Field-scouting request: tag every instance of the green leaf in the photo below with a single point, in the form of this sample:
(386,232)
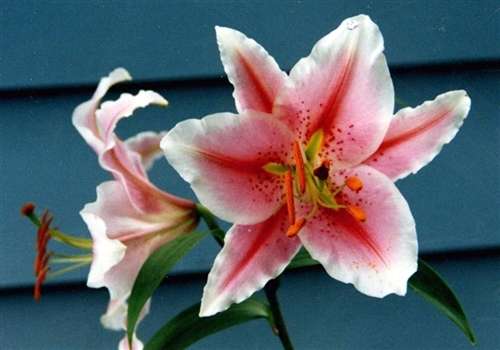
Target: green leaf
(427,283)
(211,222)
(187,327)
(154,271)
(302,259)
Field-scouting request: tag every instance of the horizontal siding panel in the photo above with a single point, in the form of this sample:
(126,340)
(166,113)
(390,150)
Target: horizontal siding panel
(455,200)
(54,43)
(320,313)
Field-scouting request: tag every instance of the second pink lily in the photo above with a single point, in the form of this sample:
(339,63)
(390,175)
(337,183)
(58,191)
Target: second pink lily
(310,160)
(131,217)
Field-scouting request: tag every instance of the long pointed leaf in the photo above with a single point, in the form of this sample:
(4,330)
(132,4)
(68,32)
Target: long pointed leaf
(186,328)
(153,271)
(302,259)
(427,283)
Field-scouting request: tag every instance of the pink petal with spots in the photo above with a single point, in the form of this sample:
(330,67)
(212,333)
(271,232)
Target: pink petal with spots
(222,157)
(255,75)
(377,256)
(416,135)
(252,255)
(344,88)
(147,145)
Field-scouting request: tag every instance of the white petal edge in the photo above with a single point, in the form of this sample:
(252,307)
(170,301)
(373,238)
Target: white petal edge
(106,252)
(228,41)
(461,103)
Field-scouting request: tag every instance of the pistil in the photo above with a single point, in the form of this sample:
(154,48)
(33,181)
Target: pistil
(311,184)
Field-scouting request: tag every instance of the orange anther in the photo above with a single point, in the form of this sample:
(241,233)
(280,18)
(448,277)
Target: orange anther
(37,292)
(289,196)
(299,166)
(354,183)
(356,212)
(294,229)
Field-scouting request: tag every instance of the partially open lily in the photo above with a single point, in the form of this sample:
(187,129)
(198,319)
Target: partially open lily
(310,160)
(131,217)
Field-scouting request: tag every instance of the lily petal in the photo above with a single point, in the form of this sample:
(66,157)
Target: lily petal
(110,112)
(84,115)
(344,88)
(377,255)
(222,157)
(115,317)
(255,75)
(252,255)
(147,145)
(416,135)
(125,164)
(123,238)
(136,344)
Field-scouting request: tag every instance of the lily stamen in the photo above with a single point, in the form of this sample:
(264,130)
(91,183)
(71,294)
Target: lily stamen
(289,196)
(354,183)
(294,229)
(37,291)
(299,167)
(356,212)
(44,258)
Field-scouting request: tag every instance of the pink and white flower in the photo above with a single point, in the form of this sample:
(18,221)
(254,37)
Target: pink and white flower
(131,217)
(310,160)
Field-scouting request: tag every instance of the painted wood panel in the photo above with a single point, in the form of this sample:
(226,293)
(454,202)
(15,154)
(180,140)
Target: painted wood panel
(47,43)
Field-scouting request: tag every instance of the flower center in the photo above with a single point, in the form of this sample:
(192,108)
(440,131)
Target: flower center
(308,180)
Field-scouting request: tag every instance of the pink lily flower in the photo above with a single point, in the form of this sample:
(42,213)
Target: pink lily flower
(131,217)
(310,160)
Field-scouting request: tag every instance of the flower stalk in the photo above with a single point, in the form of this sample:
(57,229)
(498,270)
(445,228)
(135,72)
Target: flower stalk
(280,329)
(271,288)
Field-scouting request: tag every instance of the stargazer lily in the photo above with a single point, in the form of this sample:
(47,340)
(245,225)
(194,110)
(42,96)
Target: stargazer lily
(131,217)
(310,161)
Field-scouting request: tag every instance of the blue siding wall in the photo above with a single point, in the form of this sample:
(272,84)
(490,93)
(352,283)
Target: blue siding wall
(51,56)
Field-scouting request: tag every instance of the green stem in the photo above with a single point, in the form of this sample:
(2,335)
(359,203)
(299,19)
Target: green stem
(279,327)
(281,331)
(212,225)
